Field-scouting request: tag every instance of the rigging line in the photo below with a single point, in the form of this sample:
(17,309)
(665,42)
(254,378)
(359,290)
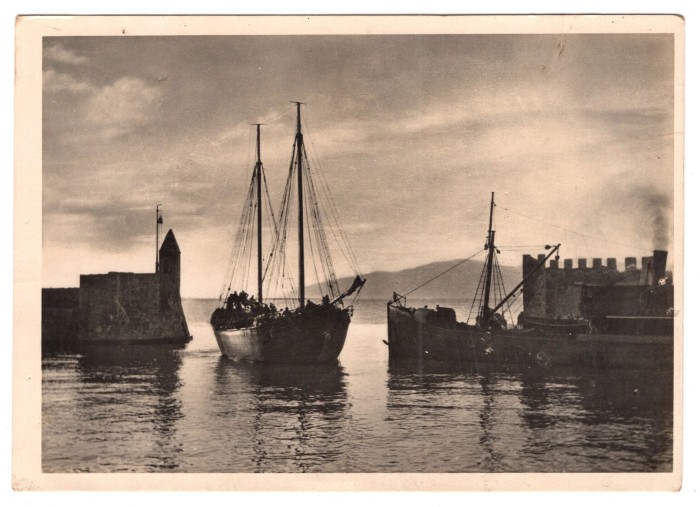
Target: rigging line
(444,272)
(506,307)
(512,300)
(515,298)
(519,246)
(341,242)
(494,280)
(477,301)
(501,284)
(328,203)
(247,234)
(269,202)
(312,226)
(572,231)
(250,151)
(246,252)
(617,227)
(278,266)
(517,310)
(313,253)
(310,231)
(279,114)
(240,234)
(270,251)
(251,241)
(272,224)
(234,247)
(283,278)
(499,279)
(326,257)
(341,237)
(332,205)
(321,238)
(344,241)
(271,270)
(522,250)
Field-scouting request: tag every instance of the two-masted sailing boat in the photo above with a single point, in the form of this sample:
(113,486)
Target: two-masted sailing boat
(309,332)
(419,335)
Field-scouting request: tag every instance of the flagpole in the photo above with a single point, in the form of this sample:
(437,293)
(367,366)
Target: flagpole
(159,221)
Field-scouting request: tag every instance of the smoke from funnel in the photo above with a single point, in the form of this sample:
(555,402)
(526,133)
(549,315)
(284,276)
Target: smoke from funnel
(659,210)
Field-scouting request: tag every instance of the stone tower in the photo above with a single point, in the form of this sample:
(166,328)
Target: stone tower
(136,307)
(172,316)
(170,259)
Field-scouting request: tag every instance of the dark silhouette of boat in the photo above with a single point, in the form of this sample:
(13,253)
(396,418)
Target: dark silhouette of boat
(253,329)
(602,339)
(432,335)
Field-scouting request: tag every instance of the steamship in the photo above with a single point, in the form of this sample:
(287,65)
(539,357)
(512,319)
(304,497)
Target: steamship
(595,316)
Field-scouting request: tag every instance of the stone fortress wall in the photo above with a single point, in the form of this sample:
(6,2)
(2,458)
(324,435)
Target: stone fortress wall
(556,291)
(120,306)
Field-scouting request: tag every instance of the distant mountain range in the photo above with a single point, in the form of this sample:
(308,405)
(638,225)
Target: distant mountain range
(460,282)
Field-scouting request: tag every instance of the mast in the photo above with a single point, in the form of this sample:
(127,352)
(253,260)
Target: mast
(485,312)
(159,221)
(258,177)
(299,141)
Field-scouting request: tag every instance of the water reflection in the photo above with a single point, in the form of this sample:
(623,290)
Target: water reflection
(643,398)
(420,380)
(487,421)
(114,409)
(622,413)
(297,413)
(130,392)
(573,419)
(535,394)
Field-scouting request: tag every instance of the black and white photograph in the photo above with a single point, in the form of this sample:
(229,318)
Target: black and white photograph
(443,246)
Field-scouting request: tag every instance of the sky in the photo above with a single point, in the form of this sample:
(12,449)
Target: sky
(573,133)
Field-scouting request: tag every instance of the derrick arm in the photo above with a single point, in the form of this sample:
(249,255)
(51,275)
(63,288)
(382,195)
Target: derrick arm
(532,271)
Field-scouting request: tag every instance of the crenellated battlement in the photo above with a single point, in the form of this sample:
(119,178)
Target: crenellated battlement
(556,291)
(596,263)
(655,264)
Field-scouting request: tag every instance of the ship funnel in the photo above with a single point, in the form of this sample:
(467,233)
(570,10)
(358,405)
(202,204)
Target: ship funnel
(659,265)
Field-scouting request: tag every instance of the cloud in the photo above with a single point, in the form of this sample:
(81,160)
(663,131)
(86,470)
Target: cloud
(58,53)
(57,82)
(412,134)
(82,115)
(126,104)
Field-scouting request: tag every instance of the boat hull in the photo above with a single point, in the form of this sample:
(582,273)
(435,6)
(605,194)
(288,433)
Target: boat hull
(308,338)
(413,339)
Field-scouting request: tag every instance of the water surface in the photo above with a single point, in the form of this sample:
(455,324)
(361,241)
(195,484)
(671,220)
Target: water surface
(161,408)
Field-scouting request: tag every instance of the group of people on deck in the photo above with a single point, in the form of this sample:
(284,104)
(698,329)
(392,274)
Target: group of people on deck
(236,301)
(242,311)
(250,306)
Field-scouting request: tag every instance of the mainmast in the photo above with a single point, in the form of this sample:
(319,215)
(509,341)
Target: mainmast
(486,312)
(299,141)
(258,177)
